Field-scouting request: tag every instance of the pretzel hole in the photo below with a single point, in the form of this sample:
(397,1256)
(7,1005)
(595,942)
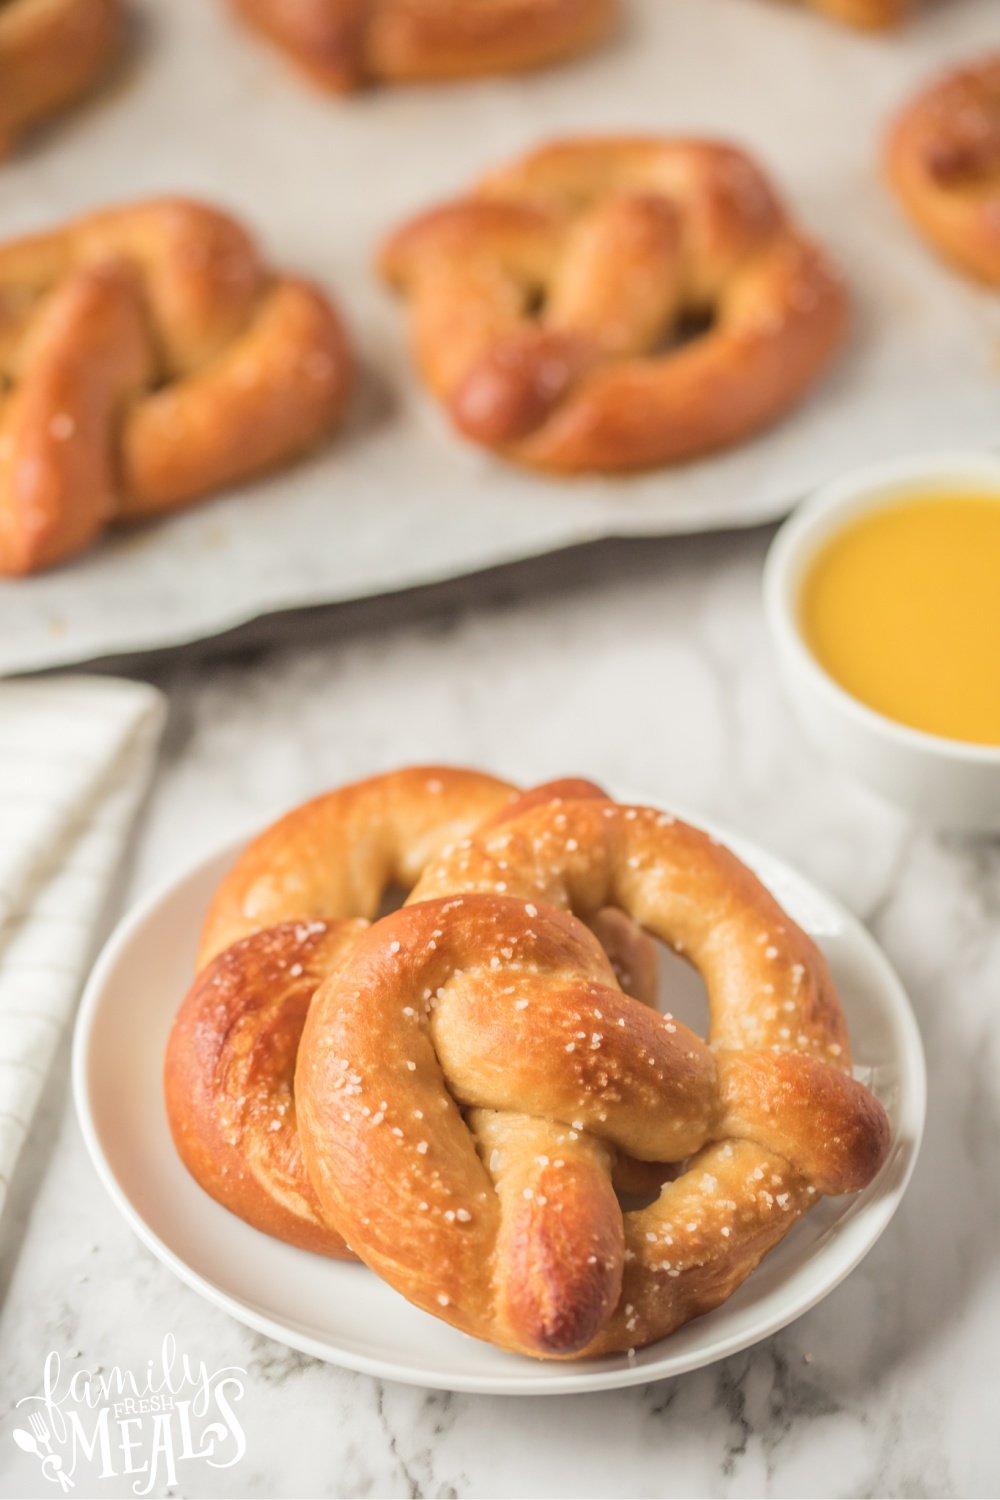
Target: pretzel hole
(680,989)
(393,897)
(691,324)
(535,302)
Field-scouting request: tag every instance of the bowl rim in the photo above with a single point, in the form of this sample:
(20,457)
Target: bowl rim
(858,492)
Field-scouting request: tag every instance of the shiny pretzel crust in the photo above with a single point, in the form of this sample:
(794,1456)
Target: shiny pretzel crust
(229,1071)
(150,358)
(52,53)
(543,306)
(943,163)
(342,45)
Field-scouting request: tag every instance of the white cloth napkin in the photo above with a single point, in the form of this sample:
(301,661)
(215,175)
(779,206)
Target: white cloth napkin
(76,755)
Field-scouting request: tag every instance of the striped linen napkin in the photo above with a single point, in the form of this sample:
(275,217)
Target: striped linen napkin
(76,755)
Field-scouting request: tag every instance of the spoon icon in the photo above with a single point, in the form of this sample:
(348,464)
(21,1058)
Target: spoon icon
(51,1462)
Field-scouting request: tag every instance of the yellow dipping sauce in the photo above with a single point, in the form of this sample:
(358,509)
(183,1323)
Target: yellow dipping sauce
(902,608)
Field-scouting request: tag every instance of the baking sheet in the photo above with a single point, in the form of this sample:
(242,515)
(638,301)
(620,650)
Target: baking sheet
(398,501)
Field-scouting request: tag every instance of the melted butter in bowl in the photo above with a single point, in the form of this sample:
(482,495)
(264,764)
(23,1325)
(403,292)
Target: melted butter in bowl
(901,606)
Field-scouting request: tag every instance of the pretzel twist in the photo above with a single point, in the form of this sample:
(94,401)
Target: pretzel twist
(342,45)
(52,52)
(505,1222)
(148,357)
(281,920)
(544,307)
(943,163)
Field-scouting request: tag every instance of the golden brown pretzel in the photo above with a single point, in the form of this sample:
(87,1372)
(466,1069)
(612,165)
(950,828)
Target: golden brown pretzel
(507,1007)
(943,163)
(147,358)
(231,1054)
(52,52)
(344,44)
(544,305)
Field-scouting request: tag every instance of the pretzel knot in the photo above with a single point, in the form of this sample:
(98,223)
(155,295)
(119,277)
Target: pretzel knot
(148,357)
(547,306)
(342,45)
(52,52)
(943,162)
(470,1071)
(282,918)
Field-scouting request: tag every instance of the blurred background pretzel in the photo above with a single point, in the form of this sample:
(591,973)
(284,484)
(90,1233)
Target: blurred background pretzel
(943,163)
(550,308)
(281,920)
(148,357)
(52,52)
(341,45)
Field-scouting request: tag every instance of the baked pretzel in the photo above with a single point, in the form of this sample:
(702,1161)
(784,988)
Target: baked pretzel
(231,1055)
(943,163)
(544,306)
(513,1070)
(52,52)
(147,358)
(342,45)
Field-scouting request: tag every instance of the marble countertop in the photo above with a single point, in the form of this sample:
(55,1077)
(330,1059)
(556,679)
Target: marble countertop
(646,665)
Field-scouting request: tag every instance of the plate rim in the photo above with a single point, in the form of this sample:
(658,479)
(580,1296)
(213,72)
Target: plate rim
(878,1214)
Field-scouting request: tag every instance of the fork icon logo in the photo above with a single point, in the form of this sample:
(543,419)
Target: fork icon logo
(39,1442)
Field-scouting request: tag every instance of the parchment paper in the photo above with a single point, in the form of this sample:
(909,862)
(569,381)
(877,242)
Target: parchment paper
(399,501)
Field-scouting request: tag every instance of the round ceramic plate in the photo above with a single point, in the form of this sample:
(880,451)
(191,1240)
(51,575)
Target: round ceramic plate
(341,1312)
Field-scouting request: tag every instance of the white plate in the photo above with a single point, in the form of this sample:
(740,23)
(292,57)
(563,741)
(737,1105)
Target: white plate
(399,502)
(344,1314)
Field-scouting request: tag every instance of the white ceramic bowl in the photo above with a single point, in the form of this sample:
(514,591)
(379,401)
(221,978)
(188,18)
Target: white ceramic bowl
(944,782)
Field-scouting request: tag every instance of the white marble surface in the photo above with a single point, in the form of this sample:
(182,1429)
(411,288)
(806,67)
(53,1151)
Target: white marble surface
(646,665)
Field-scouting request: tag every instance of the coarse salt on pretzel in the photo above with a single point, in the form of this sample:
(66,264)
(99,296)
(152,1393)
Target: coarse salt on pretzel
(147,358)
(342,45)
(943,163)
(280,921)
(545,305)
(505,1222)
(52,53)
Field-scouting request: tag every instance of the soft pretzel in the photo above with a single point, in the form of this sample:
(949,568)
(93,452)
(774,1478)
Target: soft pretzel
(147,358)
(281,919)
(342,45)
(503,1006)
(545,305)
(943,163)
(52,52)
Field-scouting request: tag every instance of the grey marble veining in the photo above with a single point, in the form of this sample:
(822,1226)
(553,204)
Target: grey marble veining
(649,668)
